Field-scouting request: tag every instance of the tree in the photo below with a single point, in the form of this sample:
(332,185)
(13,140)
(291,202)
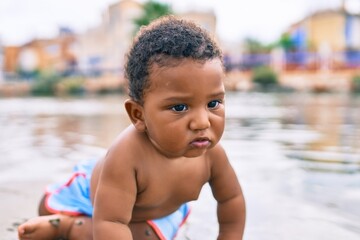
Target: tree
(254,46)
(286,42)
(151,11)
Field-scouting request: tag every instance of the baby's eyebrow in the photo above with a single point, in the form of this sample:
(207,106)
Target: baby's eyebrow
(176,98)
(217,95)
(185,98)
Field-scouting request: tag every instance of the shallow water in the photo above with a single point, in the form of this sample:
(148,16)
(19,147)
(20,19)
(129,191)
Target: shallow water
(297,156)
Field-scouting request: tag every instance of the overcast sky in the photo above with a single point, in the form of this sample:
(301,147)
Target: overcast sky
(22,20)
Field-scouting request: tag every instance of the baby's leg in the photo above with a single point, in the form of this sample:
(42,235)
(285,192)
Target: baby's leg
(73,228)
(42,210)
(50,226)
(56,226)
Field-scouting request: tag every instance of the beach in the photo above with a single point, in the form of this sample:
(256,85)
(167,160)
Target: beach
(41,139)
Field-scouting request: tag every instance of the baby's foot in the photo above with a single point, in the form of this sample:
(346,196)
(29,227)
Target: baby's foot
(46,227)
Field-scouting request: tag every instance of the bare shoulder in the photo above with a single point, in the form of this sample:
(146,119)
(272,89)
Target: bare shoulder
(223,180)
(217,155)
(219,164)
(127,148)
(114,180)
(120,159)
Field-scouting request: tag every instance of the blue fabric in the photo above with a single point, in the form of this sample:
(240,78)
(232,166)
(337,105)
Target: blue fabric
(73,198)
(170,224)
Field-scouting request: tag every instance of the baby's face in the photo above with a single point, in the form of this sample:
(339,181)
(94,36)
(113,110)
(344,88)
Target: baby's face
(184,109)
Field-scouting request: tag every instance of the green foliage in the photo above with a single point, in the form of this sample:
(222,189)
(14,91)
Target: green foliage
(286,42)
(71,85)
(254,46)
(45,83)
(151,11)
(355,83)
(264,77)
(28,74)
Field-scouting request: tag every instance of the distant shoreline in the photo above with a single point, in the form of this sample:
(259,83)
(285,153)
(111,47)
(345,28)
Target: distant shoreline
(317,81)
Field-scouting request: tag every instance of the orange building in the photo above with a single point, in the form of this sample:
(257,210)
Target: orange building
(11,54)
(42,54)
(99,49)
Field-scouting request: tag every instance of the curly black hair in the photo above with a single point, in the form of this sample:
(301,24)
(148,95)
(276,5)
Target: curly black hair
(166,41)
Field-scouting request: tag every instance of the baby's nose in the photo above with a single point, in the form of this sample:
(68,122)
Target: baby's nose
(200,120)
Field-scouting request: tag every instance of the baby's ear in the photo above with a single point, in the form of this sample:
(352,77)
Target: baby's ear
(135,112)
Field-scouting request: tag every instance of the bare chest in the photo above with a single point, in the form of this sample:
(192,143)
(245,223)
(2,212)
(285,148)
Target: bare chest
(171,184)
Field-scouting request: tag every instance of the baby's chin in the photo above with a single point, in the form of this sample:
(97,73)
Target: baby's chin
(197,152)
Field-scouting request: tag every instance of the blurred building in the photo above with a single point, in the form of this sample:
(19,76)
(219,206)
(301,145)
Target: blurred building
(327,39)
(98,51)
(1,61)
(56,54)
(10,54)
(206,19)
(337,29)
(102,49)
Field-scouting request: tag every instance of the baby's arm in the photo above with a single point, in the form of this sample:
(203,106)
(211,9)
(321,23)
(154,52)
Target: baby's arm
(227,191)
(114,199)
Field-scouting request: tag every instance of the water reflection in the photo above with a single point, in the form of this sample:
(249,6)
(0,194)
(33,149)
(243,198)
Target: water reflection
(322,130)
(301,158)
(296,154)
(336,118)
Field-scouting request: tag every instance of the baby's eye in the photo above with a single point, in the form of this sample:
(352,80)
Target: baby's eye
(213,104)
(179,108)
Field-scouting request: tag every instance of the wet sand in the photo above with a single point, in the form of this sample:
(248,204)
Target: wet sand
(21,187)
(272,214)
(42,139)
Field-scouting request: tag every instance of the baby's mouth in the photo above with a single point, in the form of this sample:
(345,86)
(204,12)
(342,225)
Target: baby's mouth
(200,143)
